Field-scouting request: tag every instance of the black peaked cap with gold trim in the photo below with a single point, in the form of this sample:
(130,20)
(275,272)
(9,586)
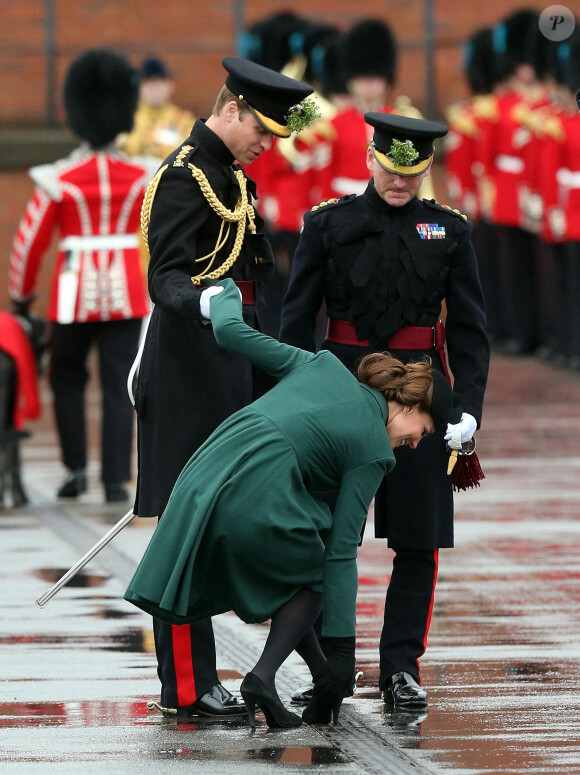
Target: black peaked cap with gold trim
(268,95)
(417,133)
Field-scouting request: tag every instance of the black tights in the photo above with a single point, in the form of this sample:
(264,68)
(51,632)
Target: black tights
(291,629)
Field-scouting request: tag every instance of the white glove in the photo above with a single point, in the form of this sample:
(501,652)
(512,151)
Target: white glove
(461,432)
(204,306)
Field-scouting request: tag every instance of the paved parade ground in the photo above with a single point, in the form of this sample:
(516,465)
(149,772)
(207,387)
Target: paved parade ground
(503,662)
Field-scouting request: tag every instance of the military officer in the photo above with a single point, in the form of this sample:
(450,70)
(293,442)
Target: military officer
(383,262)
(200,226)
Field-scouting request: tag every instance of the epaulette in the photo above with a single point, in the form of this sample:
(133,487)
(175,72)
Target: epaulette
(446,208)
(485,106)
(333,201)
(323,129)
(463,121)
(182,154)
(404,107)
(553,127)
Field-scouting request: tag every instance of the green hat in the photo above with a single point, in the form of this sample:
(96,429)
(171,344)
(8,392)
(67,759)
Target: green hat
(402,145)
(270,96)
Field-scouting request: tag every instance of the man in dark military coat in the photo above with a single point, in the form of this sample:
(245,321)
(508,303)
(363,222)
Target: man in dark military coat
(201,226)
(383,263)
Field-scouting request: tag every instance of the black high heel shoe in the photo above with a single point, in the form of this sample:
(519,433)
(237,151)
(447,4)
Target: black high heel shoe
(256,693)
(321,711)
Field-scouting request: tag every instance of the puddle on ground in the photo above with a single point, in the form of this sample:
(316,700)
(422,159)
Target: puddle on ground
(292,755)
(131,641)
(52,575)
(100,713)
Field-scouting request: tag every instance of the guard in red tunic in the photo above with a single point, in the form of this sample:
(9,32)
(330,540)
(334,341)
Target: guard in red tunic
(467,120)
(92,199)
(503,153)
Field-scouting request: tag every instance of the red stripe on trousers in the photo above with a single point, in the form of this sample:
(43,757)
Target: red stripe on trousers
(183,661)
(430,614)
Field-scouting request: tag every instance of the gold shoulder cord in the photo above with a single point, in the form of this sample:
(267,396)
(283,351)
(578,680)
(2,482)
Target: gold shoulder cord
(243,211)
(148,203)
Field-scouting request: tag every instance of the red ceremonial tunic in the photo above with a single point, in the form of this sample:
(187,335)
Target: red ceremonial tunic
(503,150)
(93,199)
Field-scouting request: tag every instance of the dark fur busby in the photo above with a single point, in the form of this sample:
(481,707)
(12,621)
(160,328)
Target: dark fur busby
(571,61)
(479,61)
(563,60)
(517,40)
(268,42)
(100,96)
(370,49)
(333,78)
(316,38)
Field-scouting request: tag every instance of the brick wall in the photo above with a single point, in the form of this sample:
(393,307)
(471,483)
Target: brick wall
(193,36)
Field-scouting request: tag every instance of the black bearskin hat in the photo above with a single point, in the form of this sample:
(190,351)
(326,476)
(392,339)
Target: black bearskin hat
(517,40)
(268,42)
(370,49)
(101,91)
(571,61)
(479,62)
(333,77)
(316,38)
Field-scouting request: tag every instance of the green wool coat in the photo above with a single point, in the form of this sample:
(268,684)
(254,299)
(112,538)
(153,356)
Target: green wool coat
(243,529)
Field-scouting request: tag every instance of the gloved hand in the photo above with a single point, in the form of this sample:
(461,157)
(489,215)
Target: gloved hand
(332,682)
(461,432)
(204,304)
(204,299)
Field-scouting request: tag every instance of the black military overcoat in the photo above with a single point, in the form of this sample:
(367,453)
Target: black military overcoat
(187,385)
(383,268)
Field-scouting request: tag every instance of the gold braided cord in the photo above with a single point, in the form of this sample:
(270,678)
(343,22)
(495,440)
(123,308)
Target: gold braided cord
(148,203)
(219,245)
(243,211)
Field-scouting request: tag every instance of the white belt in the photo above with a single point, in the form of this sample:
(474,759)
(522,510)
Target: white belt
(99,242)
(567,178)
(509,163)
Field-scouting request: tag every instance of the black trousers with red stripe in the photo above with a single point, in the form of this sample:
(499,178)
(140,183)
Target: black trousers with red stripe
(408,609)
(186,661)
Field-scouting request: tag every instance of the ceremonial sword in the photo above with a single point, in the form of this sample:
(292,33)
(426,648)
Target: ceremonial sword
(50,593)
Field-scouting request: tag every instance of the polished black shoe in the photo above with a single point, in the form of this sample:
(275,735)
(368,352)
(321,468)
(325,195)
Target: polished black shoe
(218,702)
(257,694)
(74,484)
(403,691)
(115,492)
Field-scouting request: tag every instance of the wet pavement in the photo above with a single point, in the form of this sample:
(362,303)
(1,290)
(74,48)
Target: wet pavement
(501,668)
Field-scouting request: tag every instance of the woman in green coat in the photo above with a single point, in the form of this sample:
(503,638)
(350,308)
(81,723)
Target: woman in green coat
(246,503)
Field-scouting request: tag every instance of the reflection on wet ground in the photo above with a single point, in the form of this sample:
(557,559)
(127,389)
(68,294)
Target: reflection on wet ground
(502,667)
(82,579)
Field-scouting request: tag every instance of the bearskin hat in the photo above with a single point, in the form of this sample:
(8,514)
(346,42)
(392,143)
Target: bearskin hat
(101,91)
(268,42)
(571,61)
(316,38)
(517,40)
(370,49)
(479,62)
(333,77)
